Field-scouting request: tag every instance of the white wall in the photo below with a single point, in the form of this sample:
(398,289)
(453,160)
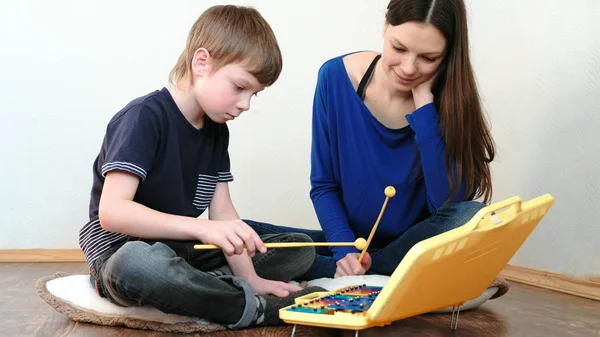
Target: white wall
(538,64)
(67,66)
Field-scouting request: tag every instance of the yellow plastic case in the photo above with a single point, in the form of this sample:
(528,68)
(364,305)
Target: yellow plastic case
(446,270)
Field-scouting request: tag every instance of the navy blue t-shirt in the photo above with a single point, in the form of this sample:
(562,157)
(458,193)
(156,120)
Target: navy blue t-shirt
(178,165)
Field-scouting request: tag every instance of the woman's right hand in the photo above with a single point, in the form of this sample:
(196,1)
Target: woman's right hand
(232,236)
(349,265)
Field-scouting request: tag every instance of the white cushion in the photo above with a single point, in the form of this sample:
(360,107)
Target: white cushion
(77,290)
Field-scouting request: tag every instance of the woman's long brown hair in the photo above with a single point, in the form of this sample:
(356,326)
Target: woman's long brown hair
(469,144)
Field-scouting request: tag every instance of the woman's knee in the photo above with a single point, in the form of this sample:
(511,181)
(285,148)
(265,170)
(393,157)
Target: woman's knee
(470,208)
(474,204)
(463,212)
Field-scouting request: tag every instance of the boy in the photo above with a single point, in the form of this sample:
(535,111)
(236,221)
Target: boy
(163,161)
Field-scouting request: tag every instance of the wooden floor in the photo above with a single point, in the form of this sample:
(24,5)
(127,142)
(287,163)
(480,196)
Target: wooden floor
(523,311)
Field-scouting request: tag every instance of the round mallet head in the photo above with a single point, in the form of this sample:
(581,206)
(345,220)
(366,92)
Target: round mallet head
(360,243)
(390,191)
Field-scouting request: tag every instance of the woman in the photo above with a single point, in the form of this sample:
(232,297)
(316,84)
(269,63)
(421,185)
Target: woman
(410,118)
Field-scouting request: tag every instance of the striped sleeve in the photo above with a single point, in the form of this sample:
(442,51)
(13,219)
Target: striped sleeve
(225,177)
(133,168)
(94,240)
(131,142)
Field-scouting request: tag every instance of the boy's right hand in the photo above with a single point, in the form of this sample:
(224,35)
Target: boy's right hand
(232,236)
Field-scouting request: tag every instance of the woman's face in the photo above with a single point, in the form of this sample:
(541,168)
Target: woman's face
(412,53)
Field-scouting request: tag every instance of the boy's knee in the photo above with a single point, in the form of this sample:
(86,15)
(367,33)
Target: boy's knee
(299,259)
(135,260)
(124,262)
(305,255)
(300,237)
(286,237)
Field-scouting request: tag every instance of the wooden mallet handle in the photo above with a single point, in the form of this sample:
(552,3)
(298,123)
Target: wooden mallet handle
(390,192)
(360,244)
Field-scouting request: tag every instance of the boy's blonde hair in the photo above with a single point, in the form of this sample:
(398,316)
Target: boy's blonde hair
(231,34)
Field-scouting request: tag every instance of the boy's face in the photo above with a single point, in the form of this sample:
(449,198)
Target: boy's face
(224,94)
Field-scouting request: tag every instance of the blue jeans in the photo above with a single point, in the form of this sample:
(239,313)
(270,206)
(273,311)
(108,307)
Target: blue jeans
(386,259)
(175,278)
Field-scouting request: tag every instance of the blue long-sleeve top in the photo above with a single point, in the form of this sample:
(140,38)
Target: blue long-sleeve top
(354,158)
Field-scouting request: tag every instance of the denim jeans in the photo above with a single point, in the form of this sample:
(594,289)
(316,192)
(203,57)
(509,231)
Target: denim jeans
(386,259)
(175,278)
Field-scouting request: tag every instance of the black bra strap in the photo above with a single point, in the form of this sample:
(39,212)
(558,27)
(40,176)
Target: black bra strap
(366,78)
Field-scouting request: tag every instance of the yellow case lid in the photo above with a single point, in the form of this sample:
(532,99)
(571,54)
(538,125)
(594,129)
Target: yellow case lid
(446,270)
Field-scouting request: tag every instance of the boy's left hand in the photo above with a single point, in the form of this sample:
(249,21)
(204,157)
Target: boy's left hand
(263,286)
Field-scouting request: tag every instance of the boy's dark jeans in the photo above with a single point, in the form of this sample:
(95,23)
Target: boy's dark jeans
(173,277)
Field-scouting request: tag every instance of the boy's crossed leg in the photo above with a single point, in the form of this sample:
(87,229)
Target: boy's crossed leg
(159,274)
